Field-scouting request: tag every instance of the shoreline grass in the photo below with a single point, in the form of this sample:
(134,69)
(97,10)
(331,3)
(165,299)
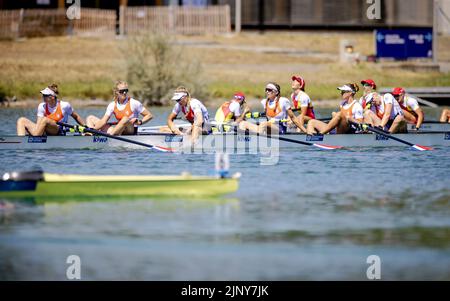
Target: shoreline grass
(86,68)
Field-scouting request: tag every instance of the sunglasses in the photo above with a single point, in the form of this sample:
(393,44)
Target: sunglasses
(269,90)
(367,85)
(123,91)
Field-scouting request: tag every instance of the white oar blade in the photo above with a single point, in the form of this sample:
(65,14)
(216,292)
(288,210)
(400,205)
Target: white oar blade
(421,147)
(163,149)
(324,146)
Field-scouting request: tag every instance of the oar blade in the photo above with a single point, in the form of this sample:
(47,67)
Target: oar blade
(327,147)
(421,147)
(163,149)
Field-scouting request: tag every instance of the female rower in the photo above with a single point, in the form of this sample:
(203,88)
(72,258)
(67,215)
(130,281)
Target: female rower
(301,102)
(126,110)
(385,112)
(351,111)
(445,116)
(50,111)
(277,110)
(233,110)
(369,93)
(412,111)
(194,112)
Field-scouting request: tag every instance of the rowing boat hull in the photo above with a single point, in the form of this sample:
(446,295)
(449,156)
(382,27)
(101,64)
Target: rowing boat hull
(56,185)
(225,142)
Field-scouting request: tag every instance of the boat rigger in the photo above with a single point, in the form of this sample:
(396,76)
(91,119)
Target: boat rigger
(228,142)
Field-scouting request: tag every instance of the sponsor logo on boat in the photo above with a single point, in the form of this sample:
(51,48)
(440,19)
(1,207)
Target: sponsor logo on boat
(242,138)
(173,139)
(447,136)
(32,139)
(314,137)
(99,139)
(381,137)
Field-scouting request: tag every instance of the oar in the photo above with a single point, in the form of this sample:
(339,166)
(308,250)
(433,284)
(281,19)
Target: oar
(381,132)
(83,129)
(321,146)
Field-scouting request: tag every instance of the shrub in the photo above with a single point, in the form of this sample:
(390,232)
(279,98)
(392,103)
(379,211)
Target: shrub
(155,67)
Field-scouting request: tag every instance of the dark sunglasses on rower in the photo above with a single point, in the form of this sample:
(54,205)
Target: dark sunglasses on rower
(269,90)
(123,91)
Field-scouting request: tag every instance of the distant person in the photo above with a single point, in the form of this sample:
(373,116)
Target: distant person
(369,93)
(445,116)
(125,109)
(301,102)
(193,110)
(410,106)
(350,112)
(277,110)
(50,111)
(231,111)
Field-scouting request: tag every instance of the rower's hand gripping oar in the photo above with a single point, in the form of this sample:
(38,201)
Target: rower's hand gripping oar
(256,115)
(381,132)
(82,129)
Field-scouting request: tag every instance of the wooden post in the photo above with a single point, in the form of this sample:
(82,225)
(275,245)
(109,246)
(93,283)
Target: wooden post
(261,15)
(122,21)
(238,14)
(435,30)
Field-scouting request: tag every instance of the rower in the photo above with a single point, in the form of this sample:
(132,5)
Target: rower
(410,106)
(231,111)
(351,111)
(369,93)
(301,102)
(126,110)
(50,111)
(445,116)
(385,112)
(277,110)
(193,110)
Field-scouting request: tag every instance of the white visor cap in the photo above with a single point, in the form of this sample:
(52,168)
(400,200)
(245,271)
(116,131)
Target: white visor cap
(48,91)
(177,96)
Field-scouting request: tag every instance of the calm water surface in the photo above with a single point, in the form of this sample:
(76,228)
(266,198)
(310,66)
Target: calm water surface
(317,215)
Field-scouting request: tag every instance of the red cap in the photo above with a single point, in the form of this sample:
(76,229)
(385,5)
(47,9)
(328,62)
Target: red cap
(370,82)
(398,91)
(300,80)
(239,95)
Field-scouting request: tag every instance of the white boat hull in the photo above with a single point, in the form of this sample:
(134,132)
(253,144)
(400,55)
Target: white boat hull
(233,143)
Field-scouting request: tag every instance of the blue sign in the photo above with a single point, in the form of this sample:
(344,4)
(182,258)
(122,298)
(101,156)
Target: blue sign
(403,44)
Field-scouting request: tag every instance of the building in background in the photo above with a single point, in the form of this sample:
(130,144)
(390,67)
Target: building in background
(283,14)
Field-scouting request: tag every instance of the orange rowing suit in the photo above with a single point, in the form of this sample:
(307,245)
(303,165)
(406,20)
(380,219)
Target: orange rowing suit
(119,114)
(57,115)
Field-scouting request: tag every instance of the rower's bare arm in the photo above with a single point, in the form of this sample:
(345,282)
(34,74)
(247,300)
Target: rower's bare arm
(301,118)
(198,119)
(147,116)
(172,125)
(101,123)
(78,118)
(295,121)
(387,114)
(419,113)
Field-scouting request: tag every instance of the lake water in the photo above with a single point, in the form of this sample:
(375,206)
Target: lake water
(316,215)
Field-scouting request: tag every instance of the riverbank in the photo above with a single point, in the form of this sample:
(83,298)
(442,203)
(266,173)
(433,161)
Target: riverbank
(86,68)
